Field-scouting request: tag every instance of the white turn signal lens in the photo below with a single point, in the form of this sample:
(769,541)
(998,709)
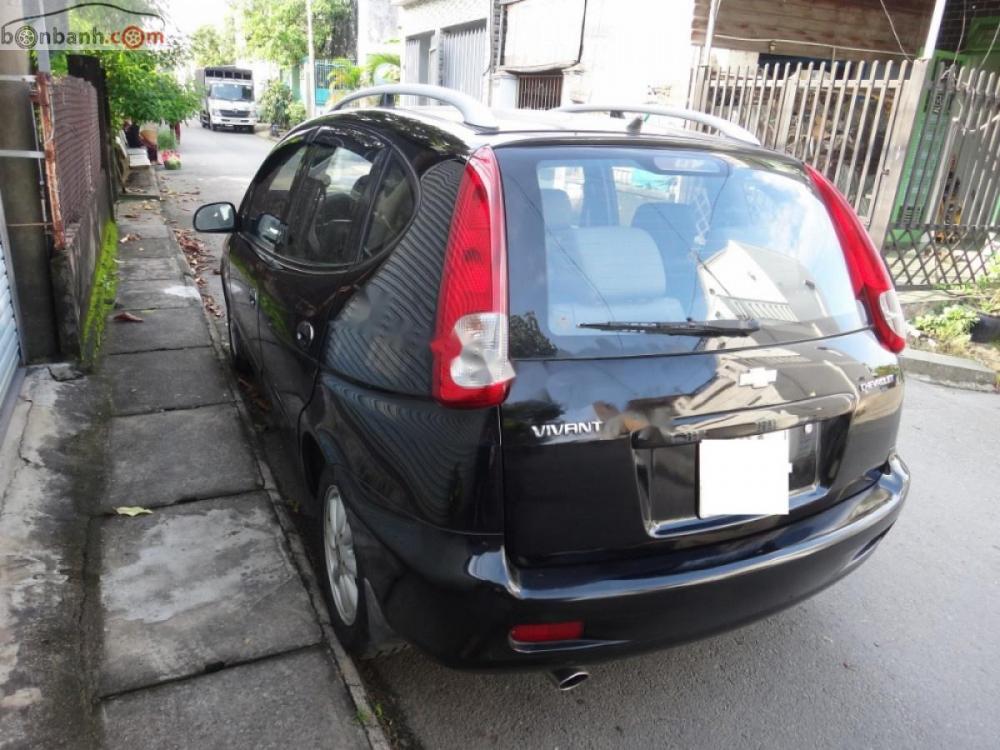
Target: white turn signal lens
(482,359)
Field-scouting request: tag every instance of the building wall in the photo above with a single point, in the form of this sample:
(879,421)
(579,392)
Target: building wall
(633,51)
(430,20)
(29,246)
(421,16)
(378,25)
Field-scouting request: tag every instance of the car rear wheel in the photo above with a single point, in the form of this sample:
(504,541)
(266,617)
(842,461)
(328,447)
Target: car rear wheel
(343,582)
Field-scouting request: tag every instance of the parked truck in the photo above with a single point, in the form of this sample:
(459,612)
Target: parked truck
(227,100)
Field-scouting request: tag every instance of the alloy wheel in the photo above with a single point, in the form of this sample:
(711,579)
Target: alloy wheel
(341,561)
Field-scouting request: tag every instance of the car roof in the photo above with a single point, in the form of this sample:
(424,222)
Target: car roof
(522,126)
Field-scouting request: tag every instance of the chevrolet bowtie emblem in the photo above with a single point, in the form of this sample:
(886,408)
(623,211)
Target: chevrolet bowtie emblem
(758,377)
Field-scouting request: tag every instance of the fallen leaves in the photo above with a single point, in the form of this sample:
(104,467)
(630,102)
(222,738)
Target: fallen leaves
(127,317)
(252,394)
(129,237)
(132,511)
(199,260)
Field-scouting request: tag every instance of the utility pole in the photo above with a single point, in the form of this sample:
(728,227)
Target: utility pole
(311,75)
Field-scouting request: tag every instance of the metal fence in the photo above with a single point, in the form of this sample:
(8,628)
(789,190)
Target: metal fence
(914,148)
(945,228)
(836,116)
(539,90)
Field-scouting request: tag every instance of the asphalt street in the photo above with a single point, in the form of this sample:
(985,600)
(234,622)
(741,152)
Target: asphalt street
(905,652)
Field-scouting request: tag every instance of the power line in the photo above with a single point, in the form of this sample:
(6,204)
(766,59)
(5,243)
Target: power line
(892,27)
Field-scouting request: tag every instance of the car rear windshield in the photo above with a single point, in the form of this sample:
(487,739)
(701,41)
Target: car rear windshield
(612,235)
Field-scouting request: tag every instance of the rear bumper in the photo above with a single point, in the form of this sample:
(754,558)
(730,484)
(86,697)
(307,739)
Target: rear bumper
(457,596)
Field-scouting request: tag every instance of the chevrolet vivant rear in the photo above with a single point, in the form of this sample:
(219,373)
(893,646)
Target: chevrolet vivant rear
(697,388)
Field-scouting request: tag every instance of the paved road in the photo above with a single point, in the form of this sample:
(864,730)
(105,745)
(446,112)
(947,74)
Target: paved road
(903,653)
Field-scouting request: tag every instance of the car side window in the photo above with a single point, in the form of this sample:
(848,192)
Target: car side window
(270,204)
(392,208)
(333,198)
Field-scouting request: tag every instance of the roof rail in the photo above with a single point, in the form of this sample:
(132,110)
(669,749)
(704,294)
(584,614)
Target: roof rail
(725,127)
(474,113)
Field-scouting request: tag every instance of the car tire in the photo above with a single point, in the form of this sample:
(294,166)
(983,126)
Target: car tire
(237,356)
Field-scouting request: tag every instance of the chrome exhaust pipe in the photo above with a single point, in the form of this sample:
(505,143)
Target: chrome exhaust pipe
(567,678)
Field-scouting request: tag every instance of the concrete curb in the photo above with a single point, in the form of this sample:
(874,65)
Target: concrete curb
(343,662)
(945,369)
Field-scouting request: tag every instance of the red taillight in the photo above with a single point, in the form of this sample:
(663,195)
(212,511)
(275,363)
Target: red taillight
(549,631)
(869,275)
(471,367)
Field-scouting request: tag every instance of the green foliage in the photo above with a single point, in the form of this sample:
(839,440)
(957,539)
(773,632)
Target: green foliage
(383,65)
(296,113)
(274,103)
(210,46)
(102,294)
(140,86)
(275,30)
(953,322)
(345,76)
(166,140)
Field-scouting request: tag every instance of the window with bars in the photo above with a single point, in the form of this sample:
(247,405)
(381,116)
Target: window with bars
(540,90)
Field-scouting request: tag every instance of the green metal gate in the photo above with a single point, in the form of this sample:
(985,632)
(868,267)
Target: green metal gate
(944,228)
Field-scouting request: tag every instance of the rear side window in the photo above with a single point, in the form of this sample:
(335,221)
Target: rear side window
(392,208)
(602,234)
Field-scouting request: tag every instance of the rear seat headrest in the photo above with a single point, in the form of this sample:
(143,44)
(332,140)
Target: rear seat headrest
(623,262)
(556,208)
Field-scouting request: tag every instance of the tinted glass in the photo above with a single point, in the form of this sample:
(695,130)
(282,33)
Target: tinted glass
(334,198)
(603,234)
(392,208)
(270,202)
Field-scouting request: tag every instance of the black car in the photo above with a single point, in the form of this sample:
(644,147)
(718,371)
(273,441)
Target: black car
(565,386)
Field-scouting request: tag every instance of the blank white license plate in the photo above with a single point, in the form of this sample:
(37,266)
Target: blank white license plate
(744,476)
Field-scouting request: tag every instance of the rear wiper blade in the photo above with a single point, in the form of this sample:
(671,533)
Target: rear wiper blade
(734,327)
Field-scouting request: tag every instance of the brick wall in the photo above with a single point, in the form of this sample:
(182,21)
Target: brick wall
(81,191)
(77,142)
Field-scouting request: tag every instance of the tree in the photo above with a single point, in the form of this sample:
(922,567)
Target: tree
(275,30)
(209,46)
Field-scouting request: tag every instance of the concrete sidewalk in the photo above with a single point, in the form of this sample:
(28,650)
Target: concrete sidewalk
(209,637)
(196,624)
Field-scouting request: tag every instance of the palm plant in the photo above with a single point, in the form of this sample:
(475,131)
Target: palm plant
(382,67)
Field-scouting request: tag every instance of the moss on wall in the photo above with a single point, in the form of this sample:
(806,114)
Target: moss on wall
(102,295)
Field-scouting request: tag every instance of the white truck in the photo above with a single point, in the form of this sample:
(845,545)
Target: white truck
(227,100)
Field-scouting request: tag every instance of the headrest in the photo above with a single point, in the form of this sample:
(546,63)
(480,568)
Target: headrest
(669,220)
(556,208)
(622,262)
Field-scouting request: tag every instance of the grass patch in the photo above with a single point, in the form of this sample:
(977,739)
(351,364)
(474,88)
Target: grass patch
(102,295)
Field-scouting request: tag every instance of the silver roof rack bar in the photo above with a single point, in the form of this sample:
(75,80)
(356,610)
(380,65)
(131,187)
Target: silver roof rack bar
(725,127)
(474,113)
